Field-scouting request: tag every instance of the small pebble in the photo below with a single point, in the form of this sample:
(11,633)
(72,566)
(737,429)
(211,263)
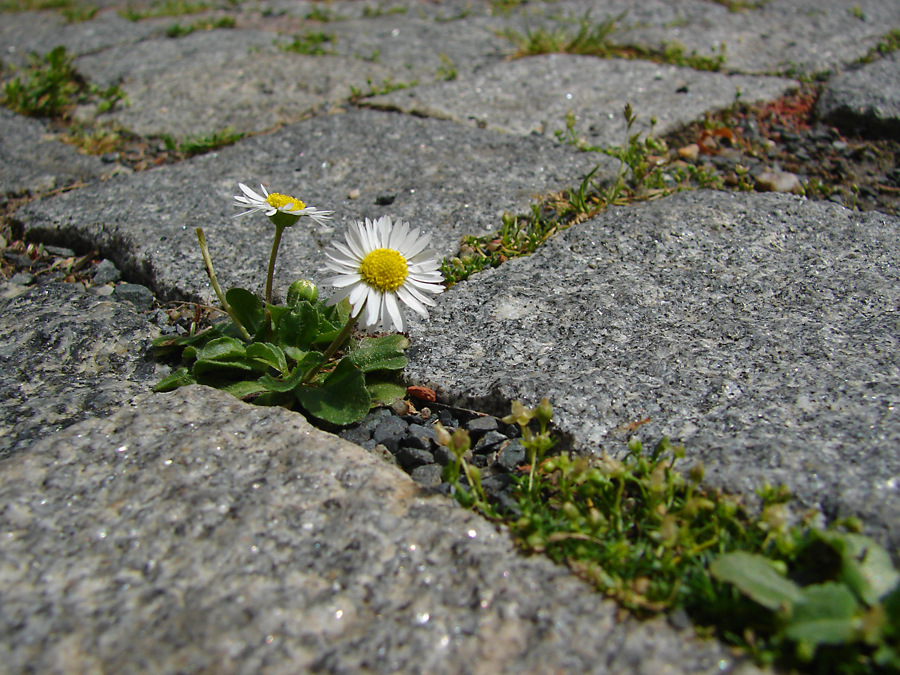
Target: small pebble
(104,272)
(60,251)
(429,475)
(354,194)
(22,279)
(778,181)
(140,296)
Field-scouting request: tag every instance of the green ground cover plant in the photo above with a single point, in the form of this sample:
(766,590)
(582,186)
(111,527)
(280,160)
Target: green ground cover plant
(177,30)
(167,8)
(776,585)
(311,43)
(74,12)
(51,87)
(590,39)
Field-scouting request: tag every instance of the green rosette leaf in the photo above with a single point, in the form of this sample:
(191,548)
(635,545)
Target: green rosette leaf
(827,615)
(247,308)
(269,354)
(755,577)
(289,383)
(180,378)
(381,353)
(385,393)
(341,399)
(865,566)
(298,328)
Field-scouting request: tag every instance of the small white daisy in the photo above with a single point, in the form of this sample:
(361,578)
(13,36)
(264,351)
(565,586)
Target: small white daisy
(283,210)
(381,263)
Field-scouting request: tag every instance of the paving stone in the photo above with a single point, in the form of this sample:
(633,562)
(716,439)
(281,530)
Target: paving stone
(195,533)
(781,36)
(26,32)
(451,181)
(67,356)
(761,330)
(865,100)
(33,161)
(533,96)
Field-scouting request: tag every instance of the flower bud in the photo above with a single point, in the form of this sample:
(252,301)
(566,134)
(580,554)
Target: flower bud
(544,412)
(301,290)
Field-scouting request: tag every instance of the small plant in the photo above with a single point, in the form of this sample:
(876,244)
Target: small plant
(310,44)
(857,13)
(446,71)
(387,86)
(168,8)
(775,586)
(373,12)
(888,44)
(323,15)
(52,88)
(302,354)
(198,145)
(593,40)
(177,30)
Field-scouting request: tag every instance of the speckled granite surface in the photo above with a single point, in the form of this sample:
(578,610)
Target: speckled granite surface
(195,533)
(66,355)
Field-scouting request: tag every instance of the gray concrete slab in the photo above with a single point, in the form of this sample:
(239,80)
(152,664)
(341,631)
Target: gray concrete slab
(781,36)
(40,32)
(442,177)
(865,100)
(761,330)
(67,356)
(195,533)
(534,94)
(33,161)
(211,80)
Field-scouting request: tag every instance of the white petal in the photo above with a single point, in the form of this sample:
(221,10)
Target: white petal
(251,194)
(265,192)
(410,301)
(394,311)
(398,234)
(408,242)
(337,296)
(421,297)
(342,280)
(373,308)
(351,256)
(418,247)
(356,241)
(360,293)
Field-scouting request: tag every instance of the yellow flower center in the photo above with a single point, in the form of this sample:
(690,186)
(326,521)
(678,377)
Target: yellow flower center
(385,269)
(279,201)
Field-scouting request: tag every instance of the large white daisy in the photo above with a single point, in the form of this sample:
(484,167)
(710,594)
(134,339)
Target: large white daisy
(283,210)
(380,264)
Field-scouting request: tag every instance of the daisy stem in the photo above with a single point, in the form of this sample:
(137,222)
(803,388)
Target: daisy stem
(333,347)
(204,251)
(275,244)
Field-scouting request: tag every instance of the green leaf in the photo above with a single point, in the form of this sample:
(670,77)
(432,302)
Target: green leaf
(222,349)
(287,384)
(180,378)
(755,577)
(382,353)
(269,354)
(244,388)
(385,393)
(865,567)
(277,312)
(167,343)
(298,328)
(341,399)
(827,615)
(225,369)
(247,308)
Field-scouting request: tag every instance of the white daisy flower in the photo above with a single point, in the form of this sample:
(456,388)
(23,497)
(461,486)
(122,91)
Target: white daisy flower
(380,264)
(283,210)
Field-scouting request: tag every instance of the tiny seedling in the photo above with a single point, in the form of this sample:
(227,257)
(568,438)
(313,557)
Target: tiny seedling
(310,43)
(198,145)
(177,30)
(168,8)
(51,87)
